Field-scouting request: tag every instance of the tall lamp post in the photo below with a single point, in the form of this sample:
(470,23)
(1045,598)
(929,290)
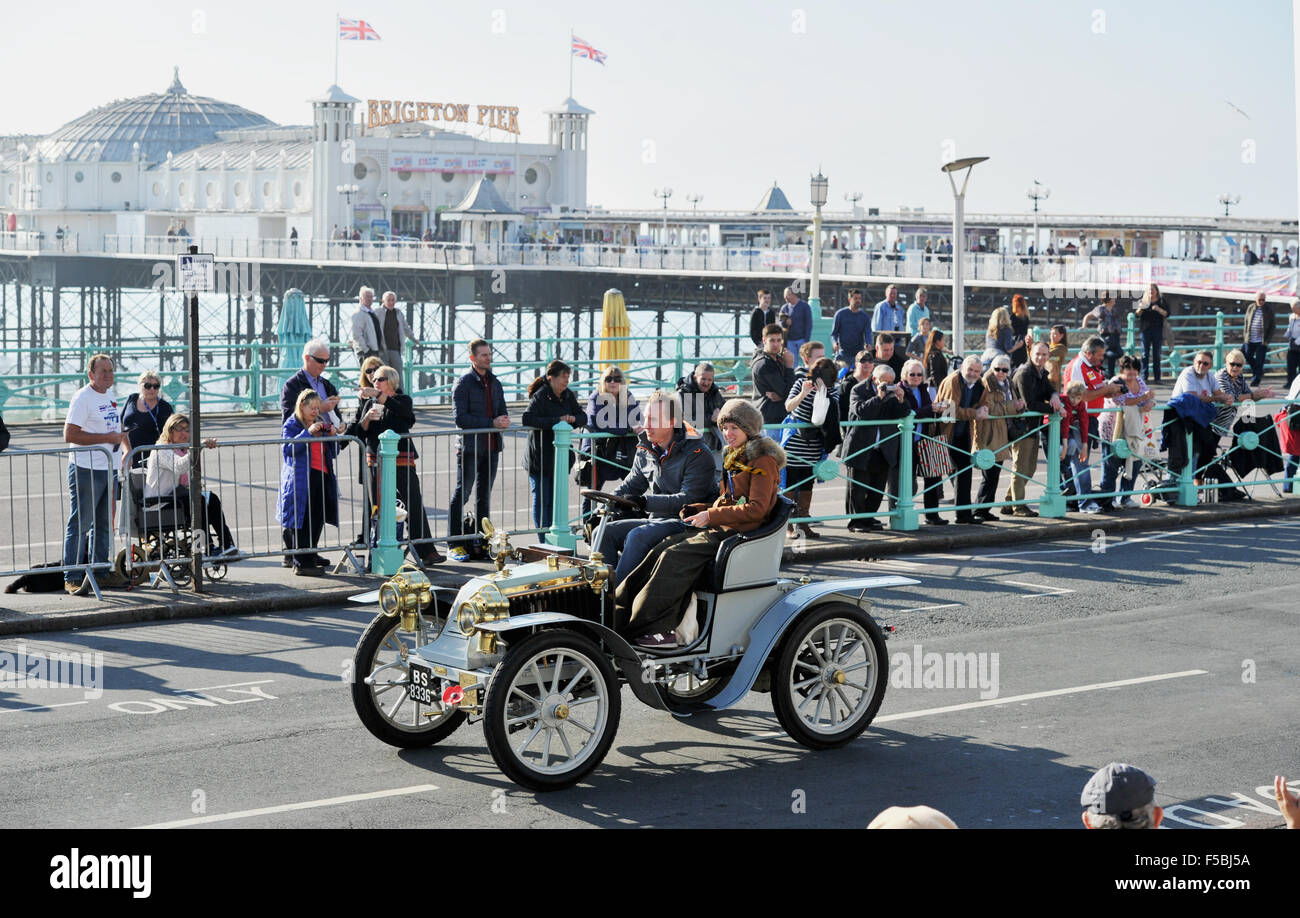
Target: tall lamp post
(695,200)
(664,193)
(959,247)
(1228,200)
(817,194)
(1037,192)
(348,191)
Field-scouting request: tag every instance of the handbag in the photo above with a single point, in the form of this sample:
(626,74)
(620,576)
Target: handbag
(1287,436)
(932,459)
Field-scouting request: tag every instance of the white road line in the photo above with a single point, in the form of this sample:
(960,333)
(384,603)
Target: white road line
(1096,686)
(1054,591)
(42,707)
(290,807)
(947,605)
(227,685)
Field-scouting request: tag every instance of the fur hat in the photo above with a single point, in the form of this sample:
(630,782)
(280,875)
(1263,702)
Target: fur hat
(744,415)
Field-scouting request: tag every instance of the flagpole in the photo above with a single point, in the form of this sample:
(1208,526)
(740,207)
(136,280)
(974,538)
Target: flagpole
(570,63)
(336,49)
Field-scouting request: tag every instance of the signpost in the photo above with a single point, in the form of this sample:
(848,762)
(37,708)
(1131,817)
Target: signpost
(195,272)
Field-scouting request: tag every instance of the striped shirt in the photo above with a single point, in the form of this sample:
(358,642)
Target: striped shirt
(805,444)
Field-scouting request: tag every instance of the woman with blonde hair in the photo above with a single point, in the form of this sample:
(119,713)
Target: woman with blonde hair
(167,476)
(998,337)
(992,432)
(309,491)
(1151,313)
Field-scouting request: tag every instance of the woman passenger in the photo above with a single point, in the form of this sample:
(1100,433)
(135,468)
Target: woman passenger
(650,601)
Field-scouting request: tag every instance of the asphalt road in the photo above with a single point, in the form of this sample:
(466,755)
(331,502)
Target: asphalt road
(1172,651)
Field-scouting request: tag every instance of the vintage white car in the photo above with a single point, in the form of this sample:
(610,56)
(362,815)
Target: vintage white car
(529,649)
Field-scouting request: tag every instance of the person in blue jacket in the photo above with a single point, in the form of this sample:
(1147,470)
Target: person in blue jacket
(309,491)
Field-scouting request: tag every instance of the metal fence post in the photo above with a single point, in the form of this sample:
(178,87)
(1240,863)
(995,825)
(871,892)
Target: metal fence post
(679,359)
(559,533)
(386,557)
(255,381)
(408,372)
(1132,332)
(1187,477)
(1052,503)
(907,519)
(1218,338)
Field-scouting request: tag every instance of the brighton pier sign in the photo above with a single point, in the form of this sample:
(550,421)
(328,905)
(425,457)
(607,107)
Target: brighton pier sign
(380,112)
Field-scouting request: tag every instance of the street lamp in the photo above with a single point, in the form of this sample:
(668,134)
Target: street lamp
(695,200)
(664,193)
(1037,192)
(1227,200)
(959,247)
(817,193)
(348,191)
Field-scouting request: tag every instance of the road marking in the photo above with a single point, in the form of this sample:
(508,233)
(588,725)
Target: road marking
(291,807)
(1096,686)
(1052,693)
(227,685)
(947,605)
(1055,591)
(41,707)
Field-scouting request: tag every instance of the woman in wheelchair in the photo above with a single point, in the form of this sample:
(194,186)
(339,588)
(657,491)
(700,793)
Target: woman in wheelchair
(651,600)
(167,477)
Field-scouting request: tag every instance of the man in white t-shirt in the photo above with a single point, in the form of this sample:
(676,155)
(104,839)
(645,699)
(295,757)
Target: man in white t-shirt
(93,420)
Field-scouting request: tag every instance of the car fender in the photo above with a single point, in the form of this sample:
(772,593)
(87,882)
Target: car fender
(629,663)
(766,633)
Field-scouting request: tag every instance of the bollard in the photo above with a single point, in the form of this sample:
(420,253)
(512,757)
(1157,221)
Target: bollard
(559,533)
(1218,339)
(386,556)
(1052,503)
(906,519)
(1187,478)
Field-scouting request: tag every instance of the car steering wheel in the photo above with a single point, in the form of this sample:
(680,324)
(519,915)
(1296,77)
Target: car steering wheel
(613,500)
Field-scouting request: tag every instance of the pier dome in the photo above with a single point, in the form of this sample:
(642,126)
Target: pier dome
(172,121)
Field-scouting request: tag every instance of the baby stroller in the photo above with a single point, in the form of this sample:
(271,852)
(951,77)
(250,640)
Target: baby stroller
(158,537)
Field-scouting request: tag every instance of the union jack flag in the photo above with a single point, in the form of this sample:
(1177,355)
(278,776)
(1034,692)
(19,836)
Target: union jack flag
(356,30)
(584,49)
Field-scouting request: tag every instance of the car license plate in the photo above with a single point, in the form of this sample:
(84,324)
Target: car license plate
(421,685)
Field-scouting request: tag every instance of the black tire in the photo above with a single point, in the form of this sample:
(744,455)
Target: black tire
(599,687)
(137,575)
(829,627)
(689,689)
(381,639)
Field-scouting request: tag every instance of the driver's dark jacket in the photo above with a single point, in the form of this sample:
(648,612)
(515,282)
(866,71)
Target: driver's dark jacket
(682,474)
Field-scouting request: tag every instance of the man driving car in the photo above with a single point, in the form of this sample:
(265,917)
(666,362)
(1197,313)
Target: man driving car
(672,467)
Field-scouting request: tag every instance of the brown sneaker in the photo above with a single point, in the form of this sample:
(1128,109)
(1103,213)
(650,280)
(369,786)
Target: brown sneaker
(78,589)
(1023,511)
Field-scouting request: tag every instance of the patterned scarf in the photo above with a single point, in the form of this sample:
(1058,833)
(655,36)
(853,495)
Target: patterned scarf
(731,461)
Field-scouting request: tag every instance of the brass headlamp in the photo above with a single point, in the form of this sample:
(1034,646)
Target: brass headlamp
(486,605)
(405,594)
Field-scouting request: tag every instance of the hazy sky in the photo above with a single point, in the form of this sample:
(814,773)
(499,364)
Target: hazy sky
(1117,107)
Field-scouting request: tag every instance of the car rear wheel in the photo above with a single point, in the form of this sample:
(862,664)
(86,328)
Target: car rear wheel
(830,676)
(552,710)
(384,705)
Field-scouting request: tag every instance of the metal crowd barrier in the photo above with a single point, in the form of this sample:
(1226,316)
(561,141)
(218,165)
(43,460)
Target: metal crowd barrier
(246,486)
(38,522)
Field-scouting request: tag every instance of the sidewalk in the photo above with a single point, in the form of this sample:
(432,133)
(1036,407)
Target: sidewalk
(256,585)
(1010,532)
(264,586)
